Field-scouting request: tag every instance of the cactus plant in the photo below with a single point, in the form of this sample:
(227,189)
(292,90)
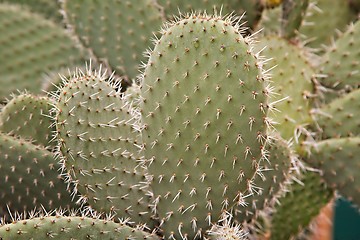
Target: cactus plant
(178,87)
(61,226)
(189,150)
(26,116)
(106,169)
(119,34)
(29,178)
(49,9)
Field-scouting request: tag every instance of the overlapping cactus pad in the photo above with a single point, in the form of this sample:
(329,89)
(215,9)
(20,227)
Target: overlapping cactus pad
(28,116)
(98,142)
(339,158)
(33,47)
(29,178)
(115,30)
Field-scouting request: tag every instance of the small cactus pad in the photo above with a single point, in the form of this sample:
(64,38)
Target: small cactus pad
(293,12)
(299,206)
(273,178)
(204,114)
(118,31)
(341,117)
(64,227)
(339,160)
(252,8)
(96,137)
(341,63)
(269,22)
(29,177)
(321,20)
(27,116)
(292,80)
(31,48)
(49,9)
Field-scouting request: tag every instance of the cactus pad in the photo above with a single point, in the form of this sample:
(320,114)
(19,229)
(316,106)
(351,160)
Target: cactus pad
(341,62)
(49,9)
(339,160)
(340,118)
(64,227)
(97,139)
(273,180)
(117,31)
(29,177)
(204,111)
(299,206)
(321,20)
(33,46)
(292,79)
(28,116)
(293,12)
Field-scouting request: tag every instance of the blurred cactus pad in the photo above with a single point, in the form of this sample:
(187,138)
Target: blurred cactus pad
(159,119)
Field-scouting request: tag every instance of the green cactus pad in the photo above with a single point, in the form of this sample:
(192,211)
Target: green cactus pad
(322,19)
(117,31)
(32,47)
(270,21)
(292,79)
(48,8)
(293,12)
(299,206)
(275,174)
(341,62)
(96,137)
(63,227)
(29,177)
(204,114)
(252,8)
(339,160)
(340,118)
(27,116)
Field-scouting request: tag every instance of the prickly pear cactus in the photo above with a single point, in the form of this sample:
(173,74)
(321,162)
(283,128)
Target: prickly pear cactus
(338,158)
(29,178)
(71,227)
(97,139)
(322,19)
(33,47)
(292,78)
(297,207)
(341,62)
(275,176)
(191,149)
(49,9)
(116,31)
(203,111)
(28,116)
(340,118)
